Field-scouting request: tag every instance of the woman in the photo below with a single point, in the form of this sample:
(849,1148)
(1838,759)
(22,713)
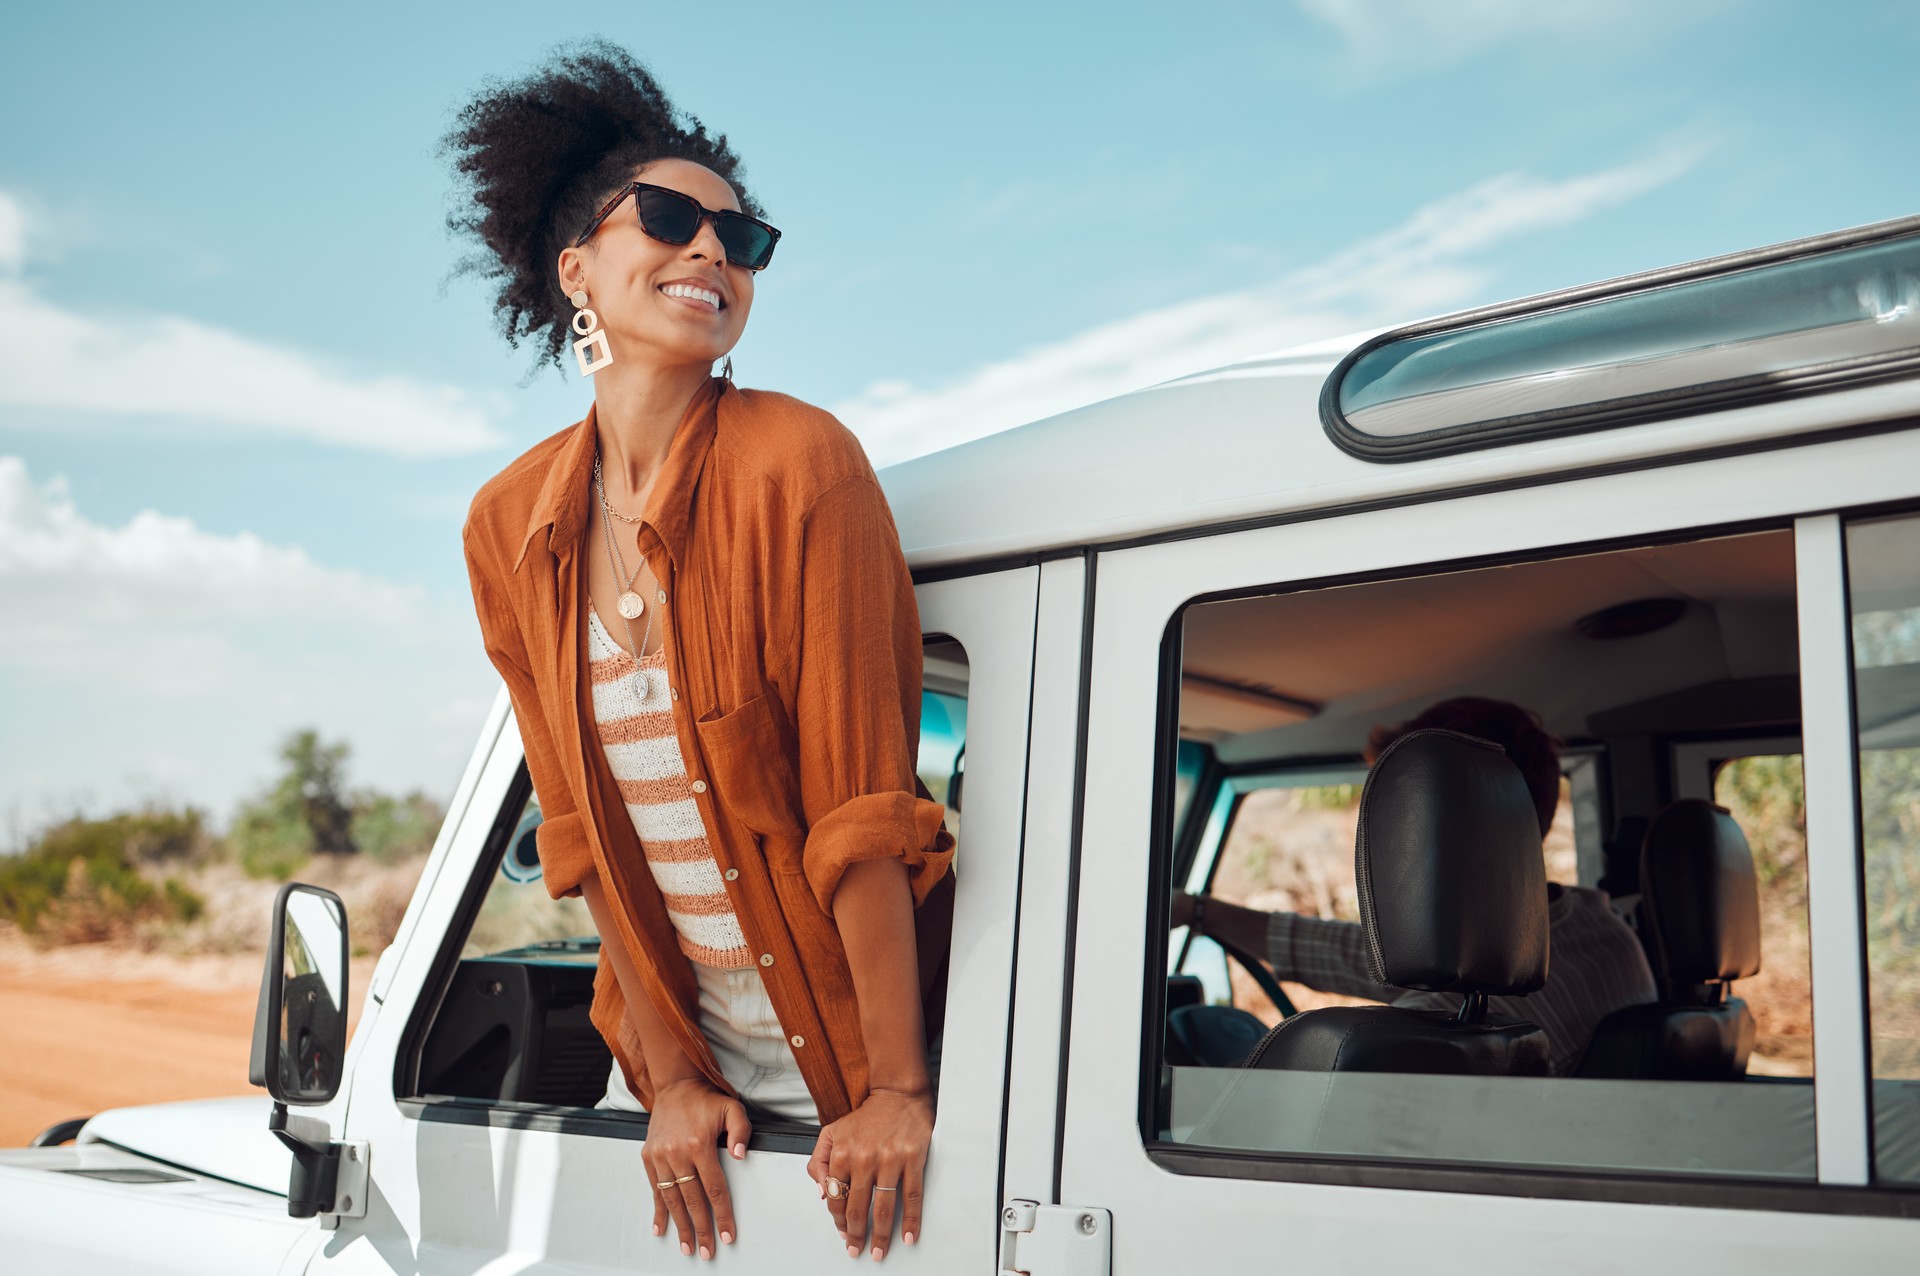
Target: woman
(697,599)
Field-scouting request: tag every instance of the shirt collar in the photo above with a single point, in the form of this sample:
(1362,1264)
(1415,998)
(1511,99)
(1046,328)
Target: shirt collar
(562,503)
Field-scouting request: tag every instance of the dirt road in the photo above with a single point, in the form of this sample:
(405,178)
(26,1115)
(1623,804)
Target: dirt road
(82,1031)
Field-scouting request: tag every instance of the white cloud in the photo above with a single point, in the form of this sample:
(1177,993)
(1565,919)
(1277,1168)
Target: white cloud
(171,366)
(158,654)
(1433,33)
(1421,266)
(83,595)
(13,234)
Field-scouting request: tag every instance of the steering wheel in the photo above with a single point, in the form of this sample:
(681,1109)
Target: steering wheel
(1258,972)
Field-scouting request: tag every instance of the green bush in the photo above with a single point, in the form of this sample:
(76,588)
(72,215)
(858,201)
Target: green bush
(388,829)
(80,880)
(270,841)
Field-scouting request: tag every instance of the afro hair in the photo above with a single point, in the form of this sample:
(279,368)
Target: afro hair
(539,155)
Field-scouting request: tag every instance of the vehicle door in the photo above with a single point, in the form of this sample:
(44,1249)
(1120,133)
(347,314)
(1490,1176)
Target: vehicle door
(1239,1169)
(545,1180)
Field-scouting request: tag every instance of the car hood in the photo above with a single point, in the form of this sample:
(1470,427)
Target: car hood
(224,1138)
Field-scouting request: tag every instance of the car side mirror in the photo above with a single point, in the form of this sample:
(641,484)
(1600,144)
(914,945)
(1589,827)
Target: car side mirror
(300,1048)
(300,1025)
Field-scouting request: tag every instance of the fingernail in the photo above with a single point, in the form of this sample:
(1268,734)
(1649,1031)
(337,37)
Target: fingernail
(853,1251)
(658,1230)
(907,1237)
(739,1151)
(726,1238)
(705,1252)
(878,1253)
(686,1249)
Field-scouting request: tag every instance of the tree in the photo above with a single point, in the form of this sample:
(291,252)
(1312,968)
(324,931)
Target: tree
(305,812)
(317,774)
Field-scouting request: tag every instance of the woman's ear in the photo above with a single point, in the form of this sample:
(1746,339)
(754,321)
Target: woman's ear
(572,268)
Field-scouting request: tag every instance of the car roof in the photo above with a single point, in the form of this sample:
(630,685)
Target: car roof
(1245,442)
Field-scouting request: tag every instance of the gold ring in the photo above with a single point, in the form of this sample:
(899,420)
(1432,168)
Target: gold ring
(668,1183)
(686,1178)
(878,1188)
(835,1187)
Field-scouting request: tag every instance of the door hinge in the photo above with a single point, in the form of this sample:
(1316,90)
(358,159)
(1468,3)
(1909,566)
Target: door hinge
(1055,1240)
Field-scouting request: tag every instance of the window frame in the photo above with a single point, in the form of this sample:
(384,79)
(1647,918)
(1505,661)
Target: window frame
(770,1133)
(1841,1185)
(1844,520)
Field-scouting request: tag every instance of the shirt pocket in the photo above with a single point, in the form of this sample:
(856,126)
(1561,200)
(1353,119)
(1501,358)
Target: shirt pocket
(749,756)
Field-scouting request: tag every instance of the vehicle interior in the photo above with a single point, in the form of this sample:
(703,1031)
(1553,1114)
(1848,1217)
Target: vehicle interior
(1669,675)
(512,1026)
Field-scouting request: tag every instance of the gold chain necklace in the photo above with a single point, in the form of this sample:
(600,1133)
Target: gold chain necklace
(629,603)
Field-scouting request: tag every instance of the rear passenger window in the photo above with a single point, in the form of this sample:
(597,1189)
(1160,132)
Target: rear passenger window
(1883,570)
(1767,796)
(1472,910)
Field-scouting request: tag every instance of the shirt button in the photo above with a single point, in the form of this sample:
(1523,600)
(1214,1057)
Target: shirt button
(732,874)
(674,692)
(698,786)
(766,959)
(798,1040)
(663,595)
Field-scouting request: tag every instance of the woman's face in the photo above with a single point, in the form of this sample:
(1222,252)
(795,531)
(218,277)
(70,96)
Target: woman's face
(625,272)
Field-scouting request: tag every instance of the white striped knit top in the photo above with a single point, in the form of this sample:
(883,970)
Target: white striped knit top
(634,716)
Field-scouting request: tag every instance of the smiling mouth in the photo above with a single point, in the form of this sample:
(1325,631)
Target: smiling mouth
(705,298)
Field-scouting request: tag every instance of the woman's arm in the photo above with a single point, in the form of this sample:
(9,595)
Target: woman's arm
(565,858)
(874,911)
(882,1143)
(687,1113)
(874,847)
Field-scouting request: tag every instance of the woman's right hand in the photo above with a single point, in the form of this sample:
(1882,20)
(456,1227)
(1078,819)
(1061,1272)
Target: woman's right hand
(683,1127)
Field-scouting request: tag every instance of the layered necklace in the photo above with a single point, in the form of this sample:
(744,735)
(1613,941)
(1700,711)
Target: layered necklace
(629,604)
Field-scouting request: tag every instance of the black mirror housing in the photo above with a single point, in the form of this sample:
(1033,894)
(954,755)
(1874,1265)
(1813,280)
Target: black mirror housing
(300,1024)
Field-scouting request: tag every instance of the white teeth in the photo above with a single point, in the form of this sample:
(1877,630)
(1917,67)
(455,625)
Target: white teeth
(698,294)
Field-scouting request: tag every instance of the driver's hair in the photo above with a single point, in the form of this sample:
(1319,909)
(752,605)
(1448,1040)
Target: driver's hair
(1519,731)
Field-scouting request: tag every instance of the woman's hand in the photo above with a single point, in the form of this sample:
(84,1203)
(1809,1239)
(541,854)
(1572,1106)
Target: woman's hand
(880,1145)
(686,1121)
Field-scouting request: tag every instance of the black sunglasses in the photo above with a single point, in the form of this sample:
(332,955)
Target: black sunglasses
(674,218)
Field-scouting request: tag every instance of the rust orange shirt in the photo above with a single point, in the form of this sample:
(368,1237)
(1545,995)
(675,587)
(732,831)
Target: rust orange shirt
(793,639)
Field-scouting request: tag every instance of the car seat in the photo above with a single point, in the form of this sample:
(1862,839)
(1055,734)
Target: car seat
(1453,898)
(1700,922)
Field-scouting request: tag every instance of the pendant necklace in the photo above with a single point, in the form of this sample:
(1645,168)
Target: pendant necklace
(629,603)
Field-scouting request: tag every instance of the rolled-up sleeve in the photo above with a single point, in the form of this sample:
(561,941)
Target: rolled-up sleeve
(858,697)
(565,857)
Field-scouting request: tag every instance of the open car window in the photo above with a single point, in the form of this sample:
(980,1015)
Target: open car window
(1628,657)
(513,1025)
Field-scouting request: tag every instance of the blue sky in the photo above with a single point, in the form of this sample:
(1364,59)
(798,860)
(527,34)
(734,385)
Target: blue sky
(243,403)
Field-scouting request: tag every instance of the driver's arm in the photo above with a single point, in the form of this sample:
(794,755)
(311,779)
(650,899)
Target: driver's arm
(1327,955)
(1237,927)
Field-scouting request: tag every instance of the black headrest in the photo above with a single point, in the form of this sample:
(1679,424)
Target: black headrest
(1453,886)
(1698,895)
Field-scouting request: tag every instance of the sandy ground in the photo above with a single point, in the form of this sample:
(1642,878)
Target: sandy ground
(90,1027)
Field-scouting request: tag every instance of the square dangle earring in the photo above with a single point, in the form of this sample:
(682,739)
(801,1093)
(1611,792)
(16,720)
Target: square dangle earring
(591,350)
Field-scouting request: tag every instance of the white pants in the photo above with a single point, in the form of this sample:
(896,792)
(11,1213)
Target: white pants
(747,1040)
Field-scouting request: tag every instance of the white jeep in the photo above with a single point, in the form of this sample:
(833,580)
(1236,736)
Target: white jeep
(1677,514)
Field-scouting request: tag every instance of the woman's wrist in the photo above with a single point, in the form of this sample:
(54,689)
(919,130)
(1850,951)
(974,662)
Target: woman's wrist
(696,1083)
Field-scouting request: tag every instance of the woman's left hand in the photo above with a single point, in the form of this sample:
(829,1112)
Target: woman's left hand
(880,1145)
